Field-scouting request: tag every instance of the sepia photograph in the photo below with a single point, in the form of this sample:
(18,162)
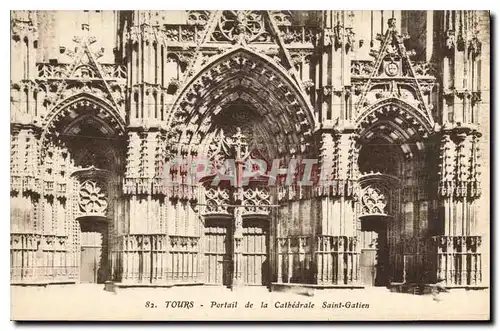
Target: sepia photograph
(250,165)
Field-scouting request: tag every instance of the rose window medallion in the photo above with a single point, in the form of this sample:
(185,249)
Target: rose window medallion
(241,26)
(392,69)
(92,199)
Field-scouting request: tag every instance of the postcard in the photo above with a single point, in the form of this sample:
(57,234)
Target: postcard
(250,165)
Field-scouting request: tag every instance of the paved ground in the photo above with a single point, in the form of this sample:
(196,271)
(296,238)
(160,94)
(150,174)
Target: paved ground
(91,302)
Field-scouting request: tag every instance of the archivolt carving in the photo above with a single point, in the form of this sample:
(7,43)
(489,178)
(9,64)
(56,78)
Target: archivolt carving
(61,117)
(264,86)
(398,112)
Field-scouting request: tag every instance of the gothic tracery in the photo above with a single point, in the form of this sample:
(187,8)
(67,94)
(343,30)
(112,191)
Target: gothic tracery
(104,137)
(373,201)
(92,199)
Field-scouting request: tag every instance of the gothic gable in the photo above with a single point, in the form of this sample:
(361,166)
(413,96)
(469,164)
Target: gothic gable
(83,75)
(393,74)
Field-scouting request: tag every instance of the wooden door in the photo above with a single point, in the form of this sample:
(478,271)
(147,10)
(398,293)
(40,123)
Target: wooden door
(91,257)
(218,266)
(255,254)
(368,266)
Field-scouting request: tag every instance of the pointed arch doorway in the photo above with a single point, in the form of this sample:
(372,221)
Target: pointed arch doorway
(237,218)
(248,90)
(379,192)
(380,168)
(94,223)
(393,160)
(83,148)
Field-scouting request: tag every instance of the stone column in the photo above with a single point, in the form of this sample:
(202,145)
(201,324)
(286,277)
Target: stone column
(237,246)
(238,222)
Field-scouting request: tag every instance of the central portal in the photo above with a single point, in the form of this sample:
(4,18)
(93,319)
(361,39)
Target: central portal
(236,216)
(248,110)
(219,243)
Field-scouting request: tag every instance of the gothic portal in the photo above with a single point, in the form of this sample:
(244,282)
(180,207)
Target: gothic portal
(110,110)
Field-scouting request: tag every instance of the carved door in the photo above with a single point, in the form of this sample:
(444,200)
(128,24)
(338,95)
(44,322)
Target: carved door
(255,263)
(218,261)
(91,256)
(368,258)
(368,266)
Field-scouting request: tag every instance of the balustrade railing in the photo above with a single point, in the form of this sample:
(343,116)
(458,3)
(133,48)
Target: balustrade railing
(295,259)
(298,34)
(365,68)
(37,258)
(67,71)
(191,33)
(337,260)
(458,260)
(158,259)
(182,33)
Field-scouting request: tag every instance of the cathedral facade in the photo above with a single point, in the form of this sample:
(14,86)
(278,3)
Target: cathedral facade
(112,111)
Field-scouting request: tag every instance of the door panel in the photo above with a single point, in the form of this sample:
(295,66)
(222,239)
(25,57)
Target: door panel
(218,267)
(255,264)
(91,257)
(368,265)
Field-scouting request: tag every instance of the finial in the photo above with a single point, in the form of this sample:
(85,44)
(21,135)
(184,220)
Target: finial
(392,23)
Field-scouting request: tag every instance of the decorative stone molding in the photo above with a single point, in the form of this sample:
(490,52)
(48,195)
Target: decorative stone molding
(460,163)
(217,201)
(195,102)
(396,108)
(373,201)
(241,26)
(258,197)
(393,67)
(92,199)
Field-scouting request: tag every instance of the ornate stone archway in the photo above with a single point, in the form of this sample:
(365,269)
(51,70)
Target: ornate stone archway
(396,146)
(244,89)
(82,135)
(242,76)
(66,114)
